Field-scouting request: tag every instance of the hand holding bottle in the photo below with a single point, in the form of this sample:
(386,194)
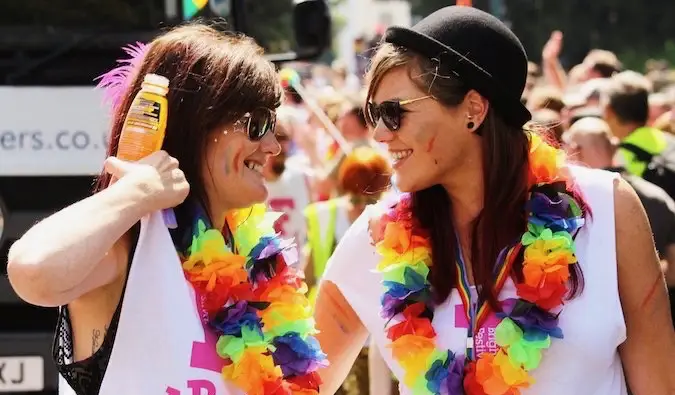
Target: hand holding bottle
(145,126)
(157,176)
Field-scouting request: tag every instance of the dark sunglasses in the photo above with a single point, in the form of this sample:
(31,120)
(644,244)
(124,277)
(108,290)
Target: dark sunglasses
(258,123)
(390,112)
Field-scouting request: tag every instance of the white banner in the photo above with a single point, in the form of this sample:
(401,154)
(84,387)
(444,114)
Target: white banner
(51,131)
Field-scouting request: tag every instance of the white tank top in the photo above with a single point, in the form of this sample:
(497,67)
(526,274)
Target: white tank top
(585,362)
(161,347)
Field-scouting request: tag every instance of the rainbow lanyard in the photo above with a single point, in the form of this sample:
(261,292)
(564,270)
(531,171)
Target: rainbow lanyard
(477,313)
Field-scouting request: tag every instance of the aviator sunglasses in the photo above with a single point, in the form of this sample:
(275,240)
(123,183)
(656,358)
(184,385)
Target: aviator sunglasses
(258,123)
(390,111)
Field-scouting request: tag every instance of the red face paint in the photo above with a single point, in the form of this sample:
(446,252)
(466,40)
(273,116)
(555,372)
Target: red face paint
(430,145)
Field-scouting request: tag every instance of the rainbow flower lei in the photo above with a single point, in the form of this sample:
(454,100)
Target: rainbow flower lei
(527,323)
(255,301)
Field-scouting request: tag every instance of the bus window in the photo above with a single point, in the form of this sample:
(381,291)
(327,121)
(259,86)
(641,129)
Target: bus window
(269,22)
(100,15)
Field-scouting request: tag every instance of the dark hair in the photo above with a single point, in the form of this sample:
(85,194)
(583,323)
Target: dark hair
(584,112)
(628,97)
(505,171)
(545,97)
(215,78)
(603,62)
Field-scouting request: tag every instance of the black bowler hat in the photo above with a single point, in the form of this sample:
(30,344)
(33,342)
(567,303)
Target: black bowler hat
(476,47)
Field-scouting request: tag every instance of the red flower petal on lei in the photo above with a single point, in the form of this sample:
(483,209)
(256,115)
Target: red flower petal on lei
(546,297)
(275,387)
(305,384)
(376,228)
(214,300)
(402,213)
(291,276)
(412,324)
(471,386)
(287,275)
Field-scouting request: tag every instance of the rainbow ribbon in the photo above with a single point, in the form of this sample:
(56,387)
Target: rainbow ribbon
(476,320)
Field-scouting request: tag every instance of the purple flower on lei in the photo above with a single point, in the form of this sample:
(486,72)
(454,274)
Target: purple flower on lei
(296,356)
(446,377)
(231,319)
(271,246)
(398,295)
(263,265)
(531,319)
(553,213)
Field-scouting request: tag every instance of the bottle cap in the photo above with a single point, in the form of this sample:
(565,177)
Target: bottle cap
(155,79)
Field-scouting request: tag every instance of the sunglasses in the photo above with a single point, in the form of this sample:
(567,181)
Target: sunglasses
(258,123)
(390,112)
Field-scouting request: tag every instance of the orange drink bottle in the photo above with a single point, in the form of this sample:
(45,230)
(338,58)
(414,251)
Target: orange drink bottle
(145,126)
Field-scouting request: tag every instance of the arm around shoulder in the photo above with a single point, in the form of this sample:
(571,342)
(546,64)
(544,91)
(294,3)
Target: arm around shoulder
(650,344)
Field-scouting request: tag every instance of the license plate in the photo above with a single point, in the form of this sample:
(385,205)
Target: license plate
(22,374)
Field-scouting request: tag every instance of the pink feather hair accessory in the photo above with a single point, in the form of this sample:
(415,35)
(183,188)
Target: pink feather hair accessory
(116,81)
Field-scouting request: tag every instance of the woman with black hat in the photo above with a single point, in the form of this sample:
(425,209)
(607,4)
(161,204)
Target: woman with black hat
(497,271)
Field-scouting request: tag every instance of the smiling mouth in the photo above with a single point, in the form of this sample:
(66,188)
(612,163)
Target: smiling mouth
(402,154)
(254,166)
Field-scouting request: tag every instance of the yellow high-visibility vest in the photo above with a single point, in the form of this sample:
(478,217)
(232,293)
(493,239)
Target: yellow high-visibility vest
(649,139)
(321,247)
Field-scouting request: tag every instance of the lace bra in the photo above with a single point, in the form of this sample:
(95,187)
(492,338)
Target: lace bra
(85,376)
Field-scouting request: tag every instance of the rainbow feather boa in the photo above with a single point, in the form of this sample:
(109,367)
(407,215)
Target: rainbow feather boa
(527,323)
(255,301)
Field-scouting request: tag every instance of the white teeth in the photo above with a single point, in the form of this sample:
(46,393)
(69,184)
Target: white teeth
(398,155)
(257,167)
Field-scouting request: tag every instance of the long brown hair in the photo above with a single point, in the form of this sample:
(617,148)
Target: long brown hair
(215,78)
(505,173)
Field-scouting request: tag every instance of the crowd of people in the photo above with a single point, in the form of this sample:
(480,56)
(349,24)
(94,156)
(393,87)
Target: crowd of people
(455,232)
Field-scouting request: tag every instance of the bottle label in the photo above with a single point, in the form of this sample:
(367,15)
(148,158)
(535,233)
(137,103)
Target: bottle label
(141,130)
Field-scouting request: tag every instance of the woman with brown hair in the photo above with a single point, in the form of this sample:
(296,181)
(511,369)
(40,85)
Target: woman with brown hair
(129,321)
(500,269)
